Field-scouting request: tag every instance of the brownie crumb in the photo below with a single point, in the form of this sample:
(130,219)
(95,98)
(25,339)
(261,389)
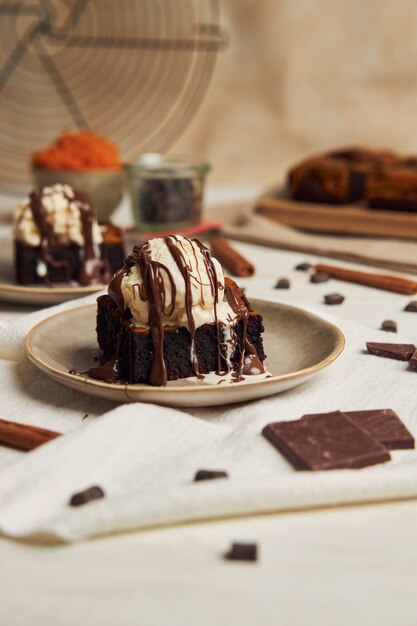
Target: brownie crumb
(92,493)
(242,552)
(210,475)
(319,277)
(389,326)
(303,267)
(282,283)
(411,306)
(334,298)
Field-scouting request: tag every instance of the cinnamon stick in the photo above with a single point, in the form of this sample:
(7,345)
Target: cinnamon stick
(378,281)
(230,258)
(23,436)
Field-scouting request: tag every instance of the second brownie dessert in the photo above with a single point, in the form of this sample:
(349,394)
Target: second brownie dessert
(58,240)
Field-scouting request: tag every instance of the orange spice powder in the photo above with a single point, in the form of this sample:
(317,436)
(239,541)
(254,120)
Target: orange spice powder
(78,151)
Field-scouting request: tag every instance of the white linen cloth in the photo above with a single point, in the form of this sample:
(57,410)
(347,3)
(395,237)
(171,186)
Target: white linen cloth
(145,456)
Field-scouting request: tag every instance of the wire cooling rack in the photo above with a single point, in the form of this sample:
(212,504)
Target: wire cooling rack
(133,70)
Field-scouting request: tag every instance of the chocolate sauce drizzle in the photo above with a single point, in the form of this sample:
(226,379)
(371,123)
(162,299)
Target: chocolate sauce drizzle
(185,269)
(90,270)
(249,359)
(223,366)
(152,290)
(90,266)
(110,372)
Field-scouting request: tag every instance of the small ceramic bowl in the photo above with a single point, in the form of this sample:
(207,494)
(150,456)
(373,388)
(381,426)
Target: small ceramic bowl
(104,186)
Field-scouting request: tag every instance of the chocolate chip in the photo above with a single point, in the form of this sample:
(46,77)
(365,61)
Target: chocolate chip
(398,351)
(210,475)
(319,277)
(325,441)
(334,298)
(92,493)
(389,326)
(242,552)
(303,267)
(283,283)
(411,306)
(72,371)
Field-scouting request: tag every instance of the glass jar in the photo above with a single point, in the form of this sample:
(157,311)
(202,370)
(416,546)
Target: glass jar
(166,191)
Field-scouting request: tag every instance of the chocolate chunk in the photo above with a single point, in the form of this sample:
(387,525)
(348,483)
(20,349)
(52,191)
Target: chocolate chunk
(334,298)
(398,351)
(384,426)
(92,493)
(319,277)
(283,283)
(411,306)
(325,441)
(413,361)
(303,267)
(210,475)
(242,552)
(389,326)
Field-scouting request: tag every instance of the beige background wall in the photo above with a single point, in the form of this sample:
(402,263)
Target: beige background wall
(303,75)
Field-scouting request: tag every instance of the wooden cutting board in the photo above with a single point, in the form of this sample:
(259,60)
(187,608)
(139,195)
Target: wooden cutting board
(346,220)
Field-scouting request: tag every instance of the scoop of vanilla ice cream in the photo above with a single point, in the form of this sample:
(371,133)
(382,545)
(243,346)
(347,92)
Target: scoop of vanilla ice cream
(63,214)
(203,300)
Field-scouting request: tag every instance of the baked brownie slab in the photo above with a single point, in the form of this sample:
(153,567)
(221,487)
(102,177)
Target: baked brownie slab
(133,345)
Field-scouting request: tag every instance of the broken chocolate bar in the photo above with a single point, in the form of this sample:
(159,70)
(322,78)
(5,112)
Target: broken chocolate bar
(398,351)
(242,552)
(209,475)
(413,361)
(92,493)
(384,426)
(325,441)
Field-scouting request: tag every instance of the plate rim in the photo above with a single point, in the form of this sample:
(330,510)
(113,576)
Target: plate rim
(126,387)
(61,291)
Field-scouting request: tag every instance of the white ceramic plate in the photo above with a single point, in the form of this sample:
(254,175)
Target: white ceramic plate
(10,291)
(298,344)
